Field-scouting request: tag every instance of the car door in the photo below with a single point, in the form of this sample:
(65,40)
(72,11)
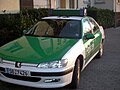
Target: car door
(97,34)
(88,43)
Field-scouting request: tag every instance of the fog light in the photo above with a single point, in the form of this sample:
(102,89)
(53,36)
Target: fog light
(51,80)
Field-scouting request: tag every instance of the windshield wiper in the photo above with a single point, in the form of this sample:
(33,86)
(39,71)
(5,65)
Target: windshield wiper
(32,35)
(51,36)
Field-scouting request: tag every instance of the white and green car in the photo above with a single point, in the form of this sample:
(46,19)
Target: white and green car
(52,53)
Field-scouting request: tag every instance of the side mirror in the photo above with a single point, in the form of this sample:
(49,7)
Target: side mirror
(89,36)
(24,31)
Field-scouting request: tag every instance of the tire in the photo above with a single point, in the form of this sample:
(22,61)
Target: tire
(76,75)
(100,53)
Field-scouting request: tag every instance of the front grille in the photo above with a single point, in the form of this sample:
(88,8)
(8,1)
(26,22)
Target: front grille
(24,78)
(2,69)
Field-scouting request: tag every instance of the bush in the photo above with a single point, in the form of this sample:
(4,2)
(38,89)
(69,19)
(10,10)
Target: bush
(12,25)
(9,25)
(104,17)
(30,17)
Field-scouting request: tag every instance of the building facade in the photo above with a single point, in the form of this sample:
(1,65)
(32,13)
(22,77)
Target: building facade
(17,5)
(105,4)
(108,4)
(7,6)
(14,6)
(58,4)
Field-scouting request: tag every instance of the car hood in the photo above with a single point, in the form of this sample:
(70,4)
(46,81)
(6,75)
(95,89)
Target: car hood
(30,49)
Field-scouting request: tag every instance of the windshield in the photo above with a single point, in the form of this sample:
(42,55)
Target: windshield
(56,28)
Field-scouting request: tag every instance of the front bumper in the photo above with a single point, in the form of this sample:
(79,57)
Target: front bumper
(40,78)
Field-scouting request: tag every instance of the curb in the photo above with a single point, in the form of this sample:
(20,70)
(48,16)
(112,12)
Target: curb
(117,28)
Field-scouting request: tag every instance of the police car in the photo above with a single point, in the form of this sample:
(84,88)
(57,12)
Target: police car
(53,52)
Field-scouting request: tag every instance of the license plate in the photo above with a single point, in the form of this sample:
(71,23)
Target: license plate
(17,72)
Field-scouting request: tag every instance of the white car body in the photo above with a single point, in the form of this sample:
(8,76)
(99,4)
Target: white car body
(50,77)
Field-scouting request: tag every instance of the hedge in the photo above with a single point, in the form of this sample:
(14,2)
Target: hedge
(30,17)
(12,25)
(104,17)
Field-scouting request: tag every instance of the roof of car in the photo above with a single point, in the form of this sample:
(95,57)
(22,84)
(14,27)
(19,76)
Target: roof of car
(64,17)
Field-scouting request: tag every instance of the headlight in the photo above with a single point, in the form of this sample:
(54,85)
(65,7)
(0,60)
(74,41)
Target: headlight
(54,64)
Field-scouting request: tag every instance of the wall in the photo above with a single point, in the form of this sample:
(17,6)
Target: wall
(9,6)
(103,4)
(40,3)
(80,4)
(53,4)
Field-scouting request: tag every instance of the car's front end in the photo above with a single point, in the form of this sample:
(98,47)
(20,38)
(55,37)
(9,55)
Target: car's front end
(45,56)
(53,70)
(52,53)
(33,75)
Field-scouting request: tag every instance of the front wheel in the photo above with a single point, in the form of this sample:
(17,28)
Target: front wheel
(76,75)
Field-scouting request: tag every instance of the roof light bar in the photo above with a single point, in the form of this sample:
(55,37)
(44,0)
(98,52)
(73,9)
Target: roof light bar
(68,12)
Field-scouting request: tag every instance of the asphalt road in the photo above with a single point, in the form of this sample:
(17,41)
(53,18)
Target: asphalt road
(100,74)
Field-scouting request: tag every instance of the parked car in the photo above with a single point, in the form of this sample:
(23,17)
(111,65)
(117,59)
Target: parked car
(52,53)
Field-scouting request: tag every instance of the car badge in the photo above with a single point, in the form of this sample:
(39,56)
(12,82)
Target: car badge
(18,64)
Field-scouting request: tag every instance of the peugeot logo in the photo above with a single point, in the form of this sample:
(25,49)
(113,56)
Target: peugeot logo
(18,64)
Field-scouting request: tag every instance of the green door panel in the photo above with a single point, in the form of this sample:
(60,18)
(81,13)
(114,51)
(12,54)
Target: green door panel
(89,46)
(97,41)
(92,45)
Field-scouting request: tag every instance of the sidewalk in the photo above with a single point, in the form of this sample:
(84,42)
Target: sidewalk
(117,28)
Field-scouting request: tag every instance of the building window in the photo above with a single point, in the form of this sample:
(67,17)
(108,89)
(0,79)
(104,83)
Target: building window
(26,4)
(71,4)
(62,3)
(118,1)
(99,1)
(57,4)
(86,1)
